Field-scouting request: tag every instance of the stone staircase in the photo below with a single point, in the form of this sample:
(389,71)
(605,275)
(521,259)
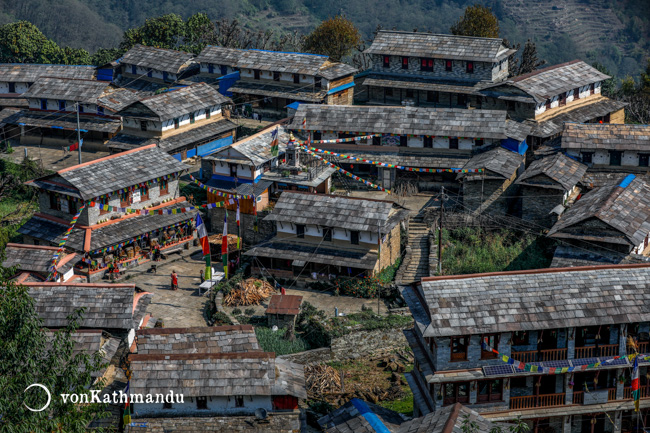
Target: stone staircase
(416,260)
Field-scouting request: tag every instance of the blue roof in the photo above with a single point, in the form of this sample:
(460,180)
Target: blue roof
(287,52)
(339,88)
(370,416)
(293,105)
(627,181)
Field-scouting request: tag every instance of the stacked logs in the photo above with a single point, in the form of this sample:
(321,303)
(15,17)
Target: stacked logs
(248,292)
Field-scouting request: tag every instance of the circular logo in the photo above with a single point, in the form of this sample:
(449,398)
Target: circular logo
(47,391)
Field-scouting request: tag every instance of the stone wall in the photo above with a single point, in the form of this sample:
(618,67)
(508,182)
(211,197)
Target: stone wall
(276,422)
(537,204)
(482,70)
(266,228)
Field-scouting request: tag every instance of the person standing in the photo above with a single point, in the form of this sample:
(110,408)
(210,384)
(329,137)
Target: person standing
(174,280)
(202,275)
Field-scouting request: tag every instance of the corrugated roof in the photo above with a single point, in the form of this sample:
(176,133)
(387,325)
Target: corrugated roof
(560,172)
(416,44)
(68,89)
(607,136)
(157,58)
(284,304)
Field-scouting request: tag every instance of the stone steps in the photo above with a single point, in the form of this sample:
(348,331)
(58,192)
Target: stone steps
(416,262)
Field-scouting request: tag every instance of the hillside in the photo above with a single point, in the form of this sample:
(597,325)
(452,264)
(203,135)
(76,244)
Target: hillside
(615,33)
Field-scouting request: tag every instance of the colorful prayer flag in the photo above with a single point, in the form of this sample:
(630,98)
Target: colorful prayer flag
(224,244)
(202,234)
(636,394)
(238,227)
(275,148)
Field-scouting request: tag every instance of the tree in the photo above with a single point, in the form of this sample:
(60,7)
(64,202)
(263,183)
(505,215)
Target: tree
(28,355)
(607,87)
(166,31)
(529,61)
(335,37)
(105,55)
(478,20)
(197,29)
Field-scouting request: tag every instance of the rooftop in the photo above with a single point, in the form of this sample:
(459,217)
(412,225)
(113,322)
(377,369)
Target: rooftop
(256,148)
(68,89)
(352,418)
(606,136)
(537,299)
(623,206)
(36,258)
(500,161)
(213,339)
(284,304)
(30,72)
(402,120)
(556,172)
(40,119)
(416,44)
(157,58)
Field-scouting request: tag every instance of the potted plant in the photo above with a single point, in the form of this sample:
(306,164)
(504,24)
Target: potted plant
(571,384)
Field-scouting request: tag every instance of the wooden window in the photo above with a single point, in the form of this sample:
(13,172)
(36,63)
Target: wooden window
(388,91)
(276,76)
(479,142)
(72,206)
(143,125)
(210,68)
(386,62)
(167,405)
(317,82)
(165,75)
(615,157)
(456,393)
(100,111)
(125,199)
(403,140)
(469,67)
(492,341)
(296,78)
(103,200)
(317,135)
(223,70)
(376,141)
(233,170)
(576,93)
(327,234)
(433,96)
(300,231)
(61,105)
(548,104)
(511,105)
(43,104)
(428,141)
(520,338)
(256,74)
(461,99)
(164,187)
(449,65)
(426,65)
(12,87)
(81,108)
(239,401)
(562,100)
(459,348)
(134,69)
(587,157)
(192,119)
(201,403)
(54,202)
(144,193)
(405,62)
(177,123)
(453,142)
(592,88)
(354,237)
(643,159)
(150,73)
(489,390)
(207,112)
(409,93)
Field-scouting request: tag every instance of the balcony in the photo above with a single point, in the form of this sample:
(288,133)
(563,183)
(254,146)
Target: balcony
(540,355)
(579,396)
(536,401)
(645,392)
(595,351)
(642,347)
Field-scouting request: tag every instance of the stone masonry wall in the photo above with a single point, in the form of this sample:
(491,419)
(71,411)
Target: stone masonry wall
(266,228)
(482,70)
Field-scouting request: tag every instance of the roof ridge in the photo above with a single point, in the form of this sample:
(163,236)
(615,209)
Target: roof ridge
(338,196)
(440,34)
(193,329)
(189,356)
(105,158)
(53,284)
(35,247)
(548,68)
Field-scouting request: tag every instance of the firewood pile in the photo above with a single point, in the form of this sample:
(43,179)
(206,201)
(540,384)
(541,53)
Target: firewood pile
(215,243)
(322,380)
(248,292)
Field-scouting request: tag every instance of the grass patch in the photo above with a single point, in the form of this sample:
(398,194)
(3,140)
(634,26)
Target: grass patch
(403,405)
(274,342)
(366,321)
(469,250)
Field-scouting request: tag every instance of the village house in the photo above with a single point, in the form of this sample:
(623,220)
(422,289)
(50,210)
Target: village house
(271,80)
(184,122)
(156,65)
(491,190)
(548,98)
(33,262)
(431,139)
(51,119)
(17,78)
(283,310)
(430,70)
(607,147)
(321,236)
(209,339)
(612,218)
(548,186)
(569,381)
(108,239)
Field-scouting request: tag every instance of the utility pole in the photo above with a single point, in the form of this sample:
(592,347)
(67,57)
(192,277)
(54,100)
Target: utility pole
(78,133)
(379,281)
(442,213)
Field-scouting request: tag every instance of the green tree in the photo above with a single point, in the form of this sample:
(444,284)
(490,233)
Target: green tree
(166,31)
(29,355)
(23,42)
(478,20)
(198,27)
(529,60)
(105,55)
(608,87)
(335,37)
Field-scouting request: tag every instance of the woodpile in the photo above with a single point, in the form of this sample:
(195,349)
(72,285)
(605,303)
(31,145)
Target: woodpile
(322,380)
(215,243)
(249,292)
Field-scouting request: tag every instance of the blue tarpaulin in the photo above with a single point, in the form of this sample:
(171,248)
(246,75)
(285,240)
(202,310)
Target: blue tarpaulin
(340,88)
(627,181)
(226,82)
(210,147)
(293,105)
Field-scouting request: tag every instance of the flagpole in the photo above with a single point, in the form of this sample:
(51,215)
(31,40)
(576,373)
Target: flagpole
(78,134)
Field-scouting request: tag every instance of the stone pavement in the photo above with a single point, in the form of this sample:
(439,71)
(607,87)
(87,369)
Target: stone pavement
(53,158)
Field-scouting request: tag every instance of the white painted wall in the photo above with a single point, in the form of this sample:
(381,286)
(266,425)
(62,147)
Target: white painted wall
(155,73)
(20,87)
(601,157)
(216,405)
(416,142)
(340,234)
(204,67)
(285,77)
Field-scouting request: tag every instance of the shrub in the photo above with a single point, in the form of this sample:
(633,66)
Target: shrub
(274,342)
(220,318)
(249,311)
(236,312)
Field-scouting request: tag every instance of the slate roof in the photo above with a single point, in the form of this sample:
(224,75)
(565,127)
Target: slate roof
(118,99)
(402,120)
(298,63)
(558,172)
(256,148)
(35,258)
(349,418)
(518,130)
(41,228)
(449,419)
(128,142)
(212,339)
(107,306)
(331,71)
(302,94)
(556,79)
(555,125)
(626,209)
(284,304)
(68,121)
(606,136)
(538,299)
(69,89)
(501,161)
(217,374)
(337,211)
(567,256)
(417,44)
(255,189)
(196,136)
(423,83)
(30,72)
(111,173)
(157,58)
(92,341)
(172,103)
(318,175)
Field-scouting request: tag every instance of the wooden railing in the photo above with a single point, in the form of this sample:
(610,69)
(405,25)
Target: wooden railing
(593,351)
(534,401)
(645,392)
(544,355)
(462,356)
(642,347)
(611,394)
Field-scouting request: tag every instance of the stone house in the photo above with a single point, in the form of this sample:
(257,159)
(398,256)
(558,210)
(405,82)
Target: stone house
(546,184)
(606,147)
(548,98)
(321,236)
(283,310)
(432,139)
(33,262)
(143,178)
(430,70)
(212,339)
(16,78)
(570,377)
(184,122)
(611,218)
(271,80)
(492,190)
(156,65)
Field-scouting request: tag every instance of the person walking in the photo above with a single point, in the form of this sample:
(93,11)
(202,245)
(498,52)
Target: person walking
(174,280)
